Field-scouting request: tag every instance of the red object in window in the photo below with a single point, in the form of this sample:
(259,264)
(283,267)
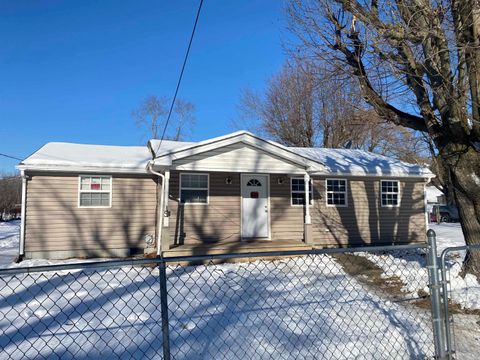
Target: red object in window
(95,187)
(254,194)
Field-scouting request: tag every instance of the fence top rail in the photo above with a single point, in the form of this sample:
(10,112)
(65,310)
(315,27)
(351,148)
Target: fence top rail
(457,248)
(81,265)
(316,251)
(107,264)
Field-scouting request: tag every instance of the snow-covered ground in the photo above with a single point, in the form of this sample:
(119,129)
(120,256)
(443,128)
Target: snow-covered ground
(448,235)
(464,291)
(284,309)
(9,242)
(261,309)
(9,237)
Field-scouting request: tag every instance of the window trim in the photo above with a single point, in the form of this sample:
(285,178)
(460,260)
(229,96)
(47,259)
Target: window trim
(94,191)
(398,193)
(345,192)
(180,189)
(297,191)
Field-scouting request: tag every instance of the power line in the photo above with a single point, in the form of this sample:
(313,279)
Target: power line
(10,156)
(181,74)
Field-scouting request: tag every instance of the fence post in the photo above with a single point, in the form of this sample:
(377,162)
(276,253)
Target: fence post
(434,284)
(446,313)
(164,310)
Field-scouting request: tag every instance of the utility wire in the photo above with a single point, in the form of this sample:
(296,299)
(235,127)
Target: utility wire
(10,156)
(181,74)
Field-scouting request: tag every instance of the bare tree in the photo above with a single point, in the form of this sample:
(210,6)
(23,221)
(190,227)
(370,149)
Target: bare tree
(286,110)
(307,106)
(152,115)
(418,65)
(10,195)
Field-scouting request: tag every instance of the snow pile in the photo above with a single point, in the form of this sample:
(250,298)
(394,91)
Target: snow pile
(464,291)
(45,262)
(410,267)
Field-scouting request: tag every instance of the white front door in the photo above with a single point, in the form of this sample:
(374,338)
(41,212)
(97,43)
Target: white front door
(254,206)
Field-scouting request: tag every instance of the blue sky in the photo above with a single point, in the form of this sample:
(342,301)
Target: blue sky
(74,70)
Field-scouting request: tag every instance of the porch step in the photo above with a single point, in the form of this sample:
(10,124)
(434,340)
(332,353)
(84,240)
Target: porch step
(235,248)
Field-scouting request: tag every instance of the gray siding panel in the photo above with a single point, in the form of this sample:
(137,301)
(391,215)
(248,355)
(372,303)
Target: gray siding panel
(219,221)
(364,221)
(55,223)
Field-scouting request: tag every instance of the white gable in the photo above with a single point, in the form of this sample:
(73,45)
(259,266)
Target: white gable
(237,157)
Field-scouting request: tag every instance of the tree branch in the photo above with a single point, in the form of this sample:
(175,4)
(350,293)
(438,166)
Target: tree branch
(354,59)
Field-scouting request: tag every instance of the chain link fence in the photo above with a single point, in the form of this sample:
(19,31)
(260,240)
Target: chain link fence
(319,304)
(461,299)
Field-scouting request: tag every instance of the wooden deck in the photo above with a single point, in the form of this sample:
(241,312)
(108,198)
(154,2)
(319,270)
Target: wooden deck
(238,247)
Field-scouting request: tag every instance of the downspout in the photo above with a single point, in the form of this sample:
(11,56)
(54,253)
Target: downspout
(160,212)
(21,250)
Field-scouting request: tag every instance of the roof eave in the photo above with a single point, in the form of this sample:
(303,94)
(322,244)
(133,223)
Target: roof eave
(82,169)
(418,175)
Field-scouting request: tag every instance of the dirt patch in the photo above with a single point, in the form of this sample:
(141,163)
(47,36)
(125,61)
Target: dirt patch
(368,273)
(371,275)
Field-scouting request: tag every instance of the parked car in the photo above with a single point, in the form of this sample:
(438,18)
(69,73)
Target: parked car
(447,213)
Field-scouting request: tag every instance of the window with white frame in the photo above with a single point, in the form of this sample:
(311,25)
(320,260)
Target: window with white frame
(336,192)
(390,190)
(193,188)
(95,191)
(298,191)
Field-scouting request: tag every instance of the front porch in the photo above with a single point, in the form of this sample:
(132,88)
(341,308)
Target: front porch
(238,247)
(239,213)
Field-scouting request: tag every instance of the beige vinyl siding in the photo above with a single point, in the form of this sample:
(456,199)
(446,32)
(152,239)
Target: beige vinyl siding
(218,221)
(237,158)
(54,222)
(286,220)
(364,221)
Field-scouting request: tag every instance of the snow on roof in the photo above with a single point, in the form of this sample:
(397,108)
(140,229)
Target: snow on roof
(68,155)
(433,193)
(359,162)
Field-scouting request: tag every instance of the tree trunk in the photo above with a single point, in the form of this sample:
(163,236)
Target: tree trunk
(464,170)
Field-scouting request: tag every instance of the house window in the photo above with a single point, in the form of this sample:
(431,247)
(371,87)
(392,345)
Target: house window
(298,191)
(254,182)
(194,188)
(390,190)
(95,191)
(336,192)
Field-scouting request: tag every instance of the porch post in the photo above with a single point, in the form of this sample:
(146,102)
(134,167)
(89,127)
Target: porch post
(166,216)
(166,219)
(307,226)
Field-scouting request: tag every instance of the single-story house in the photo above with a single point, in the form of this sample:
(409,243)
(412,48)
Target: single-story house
(233,193)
